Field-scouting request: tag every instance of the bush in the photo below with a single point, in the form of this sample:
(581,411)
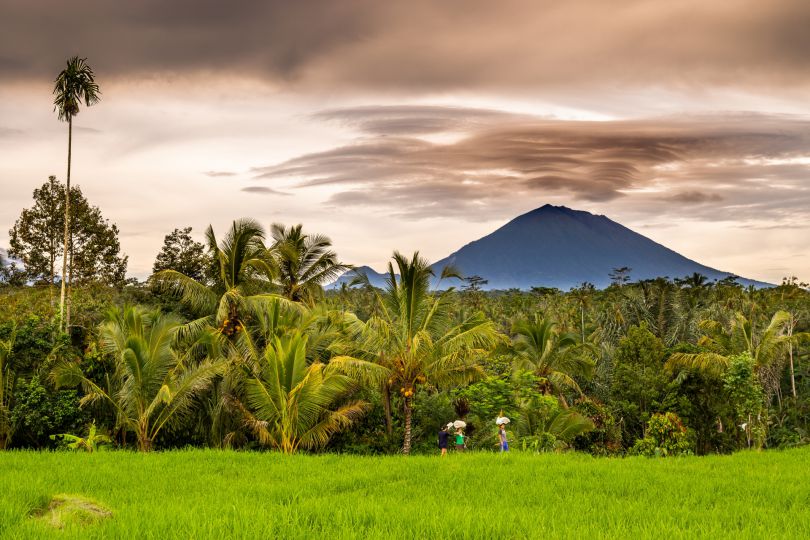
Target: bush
(665,436)
(39,412)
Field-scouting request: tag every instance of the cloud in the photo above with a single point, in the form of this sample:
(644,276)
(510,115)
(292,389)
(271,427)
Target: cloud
(726,164)
(219,174)
(543,47)
(694,197)
(10,132)
(263,191)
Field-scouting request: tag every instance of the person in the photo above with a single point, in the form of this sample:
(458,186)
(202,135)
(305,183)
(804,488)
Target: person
(503,439)
(444,437)
(459,440)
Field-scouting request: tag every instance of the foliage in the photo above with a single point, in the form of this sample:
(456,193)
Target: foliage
(290,404)
(747,398)
(92,442)
(181,253)
(151,387)
(417,339)
(304,262)
(39,411)
(665,436)
(94,248)
(638,379)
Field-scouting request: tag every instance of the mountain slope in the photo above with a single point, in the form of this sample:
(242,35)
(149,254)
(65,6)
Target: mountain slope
(554,246)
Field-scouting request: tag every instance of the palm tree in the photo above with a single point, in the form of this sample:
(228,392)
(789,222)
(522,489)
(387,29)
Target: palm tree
(152,387)
(582,295)
(556,358)
(720,343)
(290,403)
(244,269)
(75,83)
(304,261)
(416,337)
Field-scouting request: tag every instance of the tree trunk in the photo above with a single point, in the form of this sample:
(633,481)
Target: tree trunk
(582,320)
(790,352)
(67,228)
(406,445)
(389,428)
(69,286)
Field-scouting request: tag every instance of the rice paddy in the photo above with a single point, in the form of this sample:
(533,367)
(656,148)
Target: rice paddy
(216,494)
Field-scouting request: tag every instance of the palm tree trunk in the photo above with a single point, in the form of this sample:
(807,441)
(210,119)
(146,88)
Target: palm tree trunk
(406,445)
(67,231)
(582,320)
(389,429)
(69,287)
(790,352)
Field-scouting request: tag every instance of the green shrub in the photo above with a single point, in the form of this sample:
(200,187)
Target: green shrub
(665,436)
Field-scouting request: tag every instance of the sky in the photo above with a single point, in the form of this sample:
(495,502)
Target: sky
(423,125)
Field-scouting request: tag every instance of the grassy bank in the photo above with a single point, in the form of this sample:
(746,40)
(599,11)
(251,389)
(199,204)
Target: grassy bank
(208,494)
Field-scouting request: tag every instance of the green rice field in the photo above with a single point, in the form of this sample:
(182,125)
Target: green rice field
(219,494)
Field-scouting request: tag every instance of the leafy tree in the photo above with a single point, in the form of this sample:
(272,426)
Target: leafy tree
(39,411)
(93,249)
(152,387)
(620,276)
(35,237)
(747,398)
(665,436)
(74,84)
(304,262)
(638,380)
(181,253)
(415,336)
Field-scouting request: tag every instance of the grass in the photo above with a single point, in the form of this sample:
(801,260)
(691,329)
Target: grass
(210,494)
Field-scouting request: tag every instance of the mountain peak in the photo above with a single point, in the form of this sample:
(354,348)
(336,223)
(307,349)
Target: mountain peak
(556,246)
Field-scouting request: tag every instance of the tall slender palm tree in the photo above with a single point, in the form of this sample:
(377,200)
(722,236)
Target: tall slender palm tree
(153,386)
(304,262)
(557,358)
(74,84)
(415,335)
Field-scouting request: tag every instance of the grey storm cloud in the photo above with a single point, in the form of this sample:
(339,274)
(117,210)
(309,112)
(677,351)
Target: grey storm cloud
(540,46)
(737,164)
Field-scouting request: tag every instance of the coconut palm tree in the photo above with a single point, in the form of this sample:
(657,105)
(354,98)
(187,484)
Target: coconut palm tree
(557,359)
(416,337)
(153,386)
(290,403)
(74,84)
(304,262)
(244,269)
(721,343)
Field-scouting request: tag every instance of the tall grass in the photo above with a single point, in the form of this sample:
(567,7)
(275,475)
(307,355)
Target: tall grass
(213,494)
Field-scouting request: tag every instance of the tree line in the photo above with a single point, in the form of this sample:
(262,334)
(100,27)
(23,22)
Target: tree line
(234,342)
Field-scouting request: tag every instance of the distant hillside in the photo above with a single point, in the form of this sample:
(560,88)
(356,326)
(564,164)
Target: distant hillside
(554,246)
